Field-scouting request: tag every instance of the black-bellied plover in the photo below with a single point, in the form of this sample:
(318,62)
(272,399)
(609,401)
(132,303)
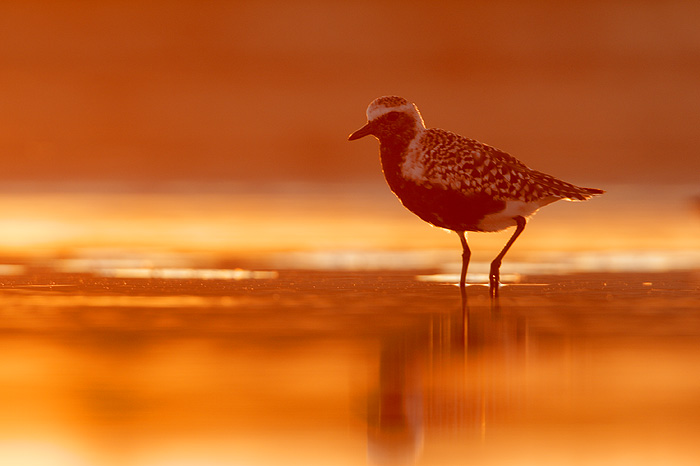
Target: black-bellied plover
(458,183)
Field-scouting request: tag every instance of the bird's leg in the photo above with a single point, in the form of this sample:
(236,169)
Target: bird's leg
(466,255)
(494,275)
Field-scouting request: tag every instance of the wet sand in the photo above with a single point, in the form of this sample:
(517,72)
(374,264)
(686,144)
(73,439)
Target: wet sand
(349,368)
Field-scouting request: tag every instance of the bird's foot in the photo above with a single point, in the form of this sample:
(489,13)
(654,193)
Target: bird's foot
(493,287)
(494,279)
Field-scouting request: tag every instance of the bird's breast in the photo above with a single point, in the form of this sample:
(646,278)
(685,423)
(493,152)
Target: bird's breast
(445,208)
(437,203)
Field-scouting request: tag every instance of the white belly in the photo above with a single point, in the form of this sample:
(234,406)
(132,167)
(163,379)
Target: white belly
(506,218)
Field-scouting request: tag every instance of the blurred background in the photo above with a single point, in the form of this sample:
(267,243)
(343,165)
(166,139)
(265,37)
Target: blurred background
(221,126)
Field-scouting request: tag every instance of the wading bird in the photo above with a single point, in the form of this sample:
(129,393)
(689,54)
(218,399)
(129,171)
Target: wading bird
(457,183)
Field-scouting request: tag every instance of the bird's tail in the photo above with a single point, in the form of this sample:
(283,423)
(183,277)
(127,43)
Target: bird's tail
(577,193)
(587,193)
(582,194)
(563,190)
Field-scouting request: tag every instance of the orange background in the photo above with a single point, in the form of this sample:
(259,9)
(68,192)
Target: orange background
(151,93)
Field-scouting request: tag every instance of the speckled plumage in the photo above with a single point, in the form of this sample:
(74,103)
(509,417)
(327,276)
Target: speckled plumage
(455,182)
(466,165)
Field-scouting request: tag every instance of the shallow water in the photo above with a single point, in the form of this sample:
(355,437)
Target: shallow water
(309,367)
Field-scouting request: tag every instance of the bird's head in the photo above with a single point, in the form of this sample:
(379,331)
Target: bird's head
(391,117)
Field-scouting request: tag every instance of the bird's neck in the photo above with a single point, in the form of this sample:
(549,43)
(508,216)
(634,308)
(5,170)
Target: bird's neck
(393,149)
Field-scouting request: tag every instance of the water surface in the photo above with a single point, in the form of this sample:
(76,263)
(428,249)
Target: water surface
(348,368)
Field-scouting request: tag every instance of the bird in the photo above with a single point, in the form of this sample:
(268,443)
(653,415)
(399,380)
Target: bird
(457,183)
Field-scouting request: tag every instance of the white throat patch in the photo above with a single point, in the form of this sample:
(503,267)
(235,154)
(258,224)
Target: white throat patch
(413,164)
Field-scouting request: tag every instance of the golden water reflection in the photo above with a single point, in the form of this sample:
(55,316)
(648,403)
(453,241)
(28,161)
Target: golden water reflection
(349,368)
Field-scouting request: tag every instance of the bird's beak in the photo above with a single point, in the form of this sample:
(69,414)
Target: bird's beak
(362,132)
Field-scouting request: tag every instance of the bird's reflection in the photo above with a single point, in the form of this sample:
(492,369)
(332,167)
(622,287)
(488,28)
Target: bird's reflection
(439,378)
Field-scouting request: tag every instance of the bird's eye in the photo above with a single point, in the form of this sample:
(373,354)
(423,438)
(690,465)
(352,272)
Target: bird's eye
(392,116)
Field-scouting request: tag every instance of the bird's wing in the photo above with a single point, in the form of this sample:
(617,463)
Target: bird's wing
(464,164)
